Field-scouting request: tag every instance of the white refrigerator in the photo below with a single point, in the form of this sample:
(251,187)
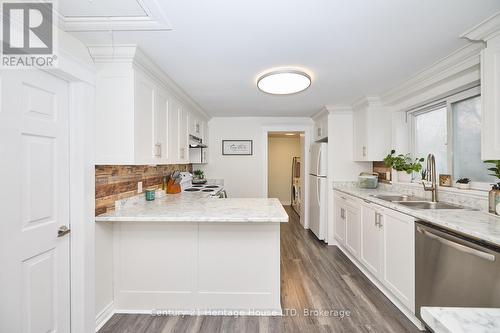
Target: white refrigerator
(318,207)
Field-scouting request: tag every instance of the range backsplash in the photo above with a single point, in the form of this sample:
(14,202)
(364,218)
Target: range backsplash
(115,182)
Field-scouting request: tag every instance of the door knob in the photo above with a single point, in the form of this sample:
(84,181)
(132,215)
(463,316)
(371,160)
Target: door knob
(63,230)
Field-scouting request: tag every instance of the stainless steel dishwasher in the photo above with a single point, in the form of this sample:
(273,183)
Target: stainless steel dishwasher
(452,269)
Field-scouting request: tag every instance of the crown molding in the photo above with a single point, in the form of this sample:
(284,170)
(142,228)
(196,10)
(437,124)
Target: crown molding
(462,60)
(367,101)
(339,109)
(155,19)
(485,30)
(133,55)
(321,113)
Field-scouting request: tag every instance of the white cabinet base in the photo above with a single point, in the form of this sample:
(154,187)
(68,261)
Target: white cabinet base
(407,312)
(197,268)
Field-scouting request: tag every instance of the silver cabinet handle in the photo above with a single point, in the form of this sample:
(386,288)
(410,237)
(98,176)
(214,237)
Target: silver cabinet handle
(456,246)
(364,151)
(63,230)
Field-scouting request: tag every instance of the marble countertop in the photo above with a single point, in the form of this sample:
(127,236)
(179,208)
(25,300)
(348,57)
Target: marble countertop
(475,223)
(195,207)
(461,320)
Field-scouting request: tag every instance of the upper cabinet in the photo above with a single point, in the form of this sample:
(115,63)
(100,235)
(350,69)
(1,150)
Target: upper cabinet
(321,126)
(489,32)
(371,130)
(140,117)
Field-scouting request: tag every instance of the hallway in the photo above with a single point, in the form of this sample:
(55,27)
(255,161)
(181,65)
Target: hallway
(321,291)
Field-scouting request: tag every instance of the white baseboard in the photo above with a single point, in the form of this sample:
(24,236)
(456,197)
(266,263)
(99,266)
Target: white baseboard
(103,316)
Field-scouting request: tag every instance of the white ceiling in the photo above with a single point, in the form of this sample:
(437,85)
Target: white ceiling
(218,48)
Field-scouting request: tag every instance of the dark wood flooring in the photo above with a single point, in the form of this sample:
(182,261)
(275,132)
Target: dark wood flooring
(313,276)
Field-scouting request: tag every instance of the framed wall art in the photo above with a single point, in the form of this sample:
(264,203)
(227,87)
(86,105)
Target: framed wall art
(237,147)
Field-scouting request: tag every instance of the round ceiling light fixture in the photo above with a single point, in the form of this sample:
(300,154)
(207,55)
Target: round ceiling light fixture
(284,82)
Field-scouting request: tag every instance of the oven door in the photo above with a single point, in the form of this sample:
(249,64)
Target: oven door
(453,270)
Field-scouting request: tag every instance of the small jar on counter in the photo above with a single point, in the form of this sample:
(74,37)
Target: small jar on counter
(150,194)
(494,199)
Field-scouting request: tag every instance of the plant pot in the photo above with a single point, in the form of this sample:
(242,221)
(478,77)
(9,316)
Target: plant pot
(404,177)
(394,175)
(463,186)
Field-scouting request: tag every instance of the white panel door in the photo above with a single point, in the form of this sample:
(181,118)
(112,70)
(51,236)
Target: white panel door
(34,281)
(371,240)
(399,256)
(161,127)
(339,219)
(353,229)
(183,135)
(144,102)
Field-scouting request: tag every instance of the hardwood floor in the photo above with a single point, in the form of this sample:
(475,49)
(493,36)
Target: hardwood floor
(314,276)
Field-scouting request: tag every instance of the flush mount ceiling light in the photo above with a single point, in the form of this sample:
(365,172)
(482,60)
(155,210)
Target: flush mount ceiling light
(284,82)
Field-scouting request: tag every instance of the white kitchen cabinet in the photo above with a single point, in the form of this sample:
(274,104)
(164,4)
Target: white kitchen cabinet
(346,229)
(339,218)
(383,242)
(161,127)
(371,238)
(490,100)
(353,228)
(196,126)
(371,130)
(321,128)
(398,273)
(141,116)
(183,135)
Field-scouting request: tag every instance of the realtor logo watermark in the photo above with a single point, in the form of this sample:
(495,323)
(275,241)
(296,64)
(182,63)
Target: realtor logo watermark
(28,35)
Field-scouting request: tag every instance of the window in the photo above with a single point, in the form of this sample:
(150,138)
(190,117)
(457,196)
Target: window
(451,130)
(431,137)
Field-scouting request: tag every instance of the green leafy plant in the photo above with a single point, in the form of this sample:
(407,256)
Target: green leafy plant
(199,174)
(403,162)
(495,169)
(463,181)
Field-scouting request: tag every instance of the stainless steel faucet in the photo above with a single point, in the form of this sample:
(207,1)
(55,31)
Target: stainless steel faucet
(431,177)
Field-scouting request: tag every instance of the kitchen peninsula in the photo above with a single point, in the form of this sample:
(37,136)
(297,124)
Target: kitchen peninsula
(210,254)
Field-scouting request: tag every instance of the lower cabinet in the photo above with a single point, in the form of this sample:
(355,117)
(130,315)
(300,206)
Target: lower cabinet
(399,256)
(347,223)
(382,240)
(371,239)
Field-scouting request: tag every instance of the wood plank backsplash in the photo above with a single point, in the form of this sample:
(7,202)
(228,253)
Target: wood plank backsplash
(115,182)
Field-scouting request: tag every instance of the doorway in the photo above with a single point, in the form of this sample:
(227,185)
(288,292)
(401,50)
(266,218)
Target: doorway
(285,169)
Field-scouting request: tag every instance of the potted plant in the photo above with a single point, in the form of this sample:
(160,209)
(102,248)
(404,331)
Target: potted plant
(405,165)
(494,194)
(198,174)
(463,183)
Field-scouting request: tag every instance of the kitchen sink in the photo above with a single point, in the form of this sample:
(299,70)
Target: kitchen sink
(398,198)
(427,205)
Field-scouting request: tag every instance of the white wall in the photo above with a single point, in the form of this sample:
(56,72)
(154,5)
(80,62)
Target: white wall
(281,151)
(244,176)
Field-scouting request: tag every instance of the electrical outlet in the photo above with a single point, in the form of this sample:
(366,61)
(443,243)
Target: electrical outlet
(139,187)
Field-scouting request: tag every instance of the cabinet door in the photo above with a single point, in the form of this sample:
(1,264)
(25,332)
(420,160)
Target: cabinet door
(371,240)
(353,229)
(173,133)
(399,256)
(339,220)
(360,131)
(490,100)
(144,103)
(161,127)
(183,135)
